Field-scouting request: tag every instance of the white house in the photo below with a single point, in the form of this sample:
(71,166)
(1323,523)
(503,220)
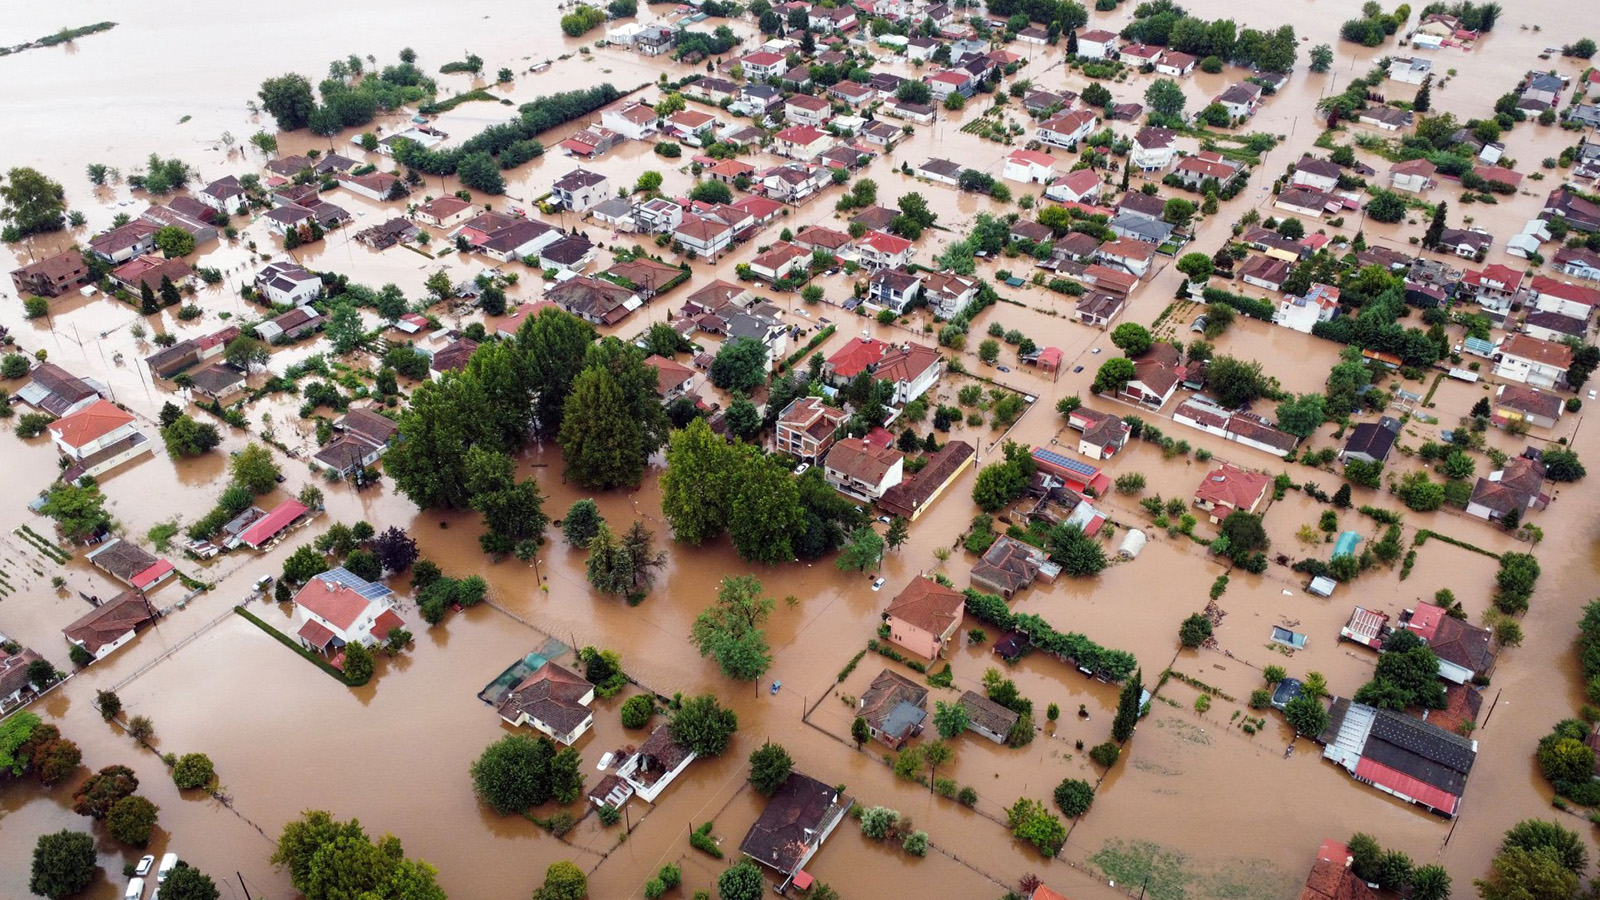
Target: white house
(1317,174)
(1240,99)
(706,237)
(948,294)
(943,171)
(97,438)
(1028,166)
(912,368)
(1067,128)
(1153,149)
(1096,44)
(1131,255)
(338,608)
(783,260)
(894,288)
(1303,313)
(109,626)
(225,195)
(1081,186)
(553,700)
(1409,69)
(1413,176)
(863,470)
(579,189)
(658,761)
(880,250)
(1531,361)
(1563,297)
(804,109)
(446,212)
(287,284)
(632,120)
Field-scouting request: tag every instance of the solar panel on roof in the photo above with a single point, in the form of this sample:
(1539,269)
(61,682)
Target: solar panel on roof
(1071,465)
(360,585)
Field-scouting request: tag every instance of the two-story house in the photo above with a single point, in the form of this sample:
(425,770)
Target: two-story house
(806,428)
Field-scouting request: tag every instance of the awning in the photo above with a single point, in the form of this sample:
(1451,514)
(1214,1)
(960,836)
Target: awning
(316,634)
(1403,785)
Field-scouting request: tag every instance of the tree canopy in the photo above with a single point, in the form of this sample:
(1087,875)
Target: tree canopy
(730,630)
(332,860)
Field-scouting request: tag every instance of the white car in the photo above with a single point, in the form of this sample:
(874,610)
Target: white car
(801,469)
(146,863)
(878,584)
(135,889)
(168,863)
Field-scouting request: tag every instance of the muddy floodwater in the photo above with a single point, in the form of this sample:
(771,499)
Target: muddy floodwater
(1207,809)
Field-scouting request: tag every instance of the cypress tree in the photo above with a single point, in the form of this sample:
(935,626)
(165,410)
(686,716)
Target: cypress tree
(147,299)
(1128,708)
(1435,232)
(169,292)
(1424,98)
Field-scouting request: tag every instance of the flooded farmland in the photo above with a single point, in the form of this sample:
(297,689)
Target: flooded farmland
(1207,809)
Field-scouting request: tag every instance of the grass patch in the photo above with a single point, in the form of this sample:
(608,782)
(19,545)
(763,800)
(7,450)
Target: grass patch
(429,109)
(1163,874)
(42,544)
(289,642)
(1423,534)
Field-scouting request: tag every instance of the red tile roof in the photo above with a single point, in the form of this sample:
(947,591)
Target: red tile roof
(268,526)
(89,424)
(338,604)
(1233,487)
(928,605)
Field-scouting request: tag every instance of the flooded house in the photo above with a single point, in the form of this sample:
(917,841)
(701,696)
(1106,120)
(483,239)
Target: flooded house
(1228,489)
(258,529)
(1405,757)
(53,390)
(110,625)
(362,436)
(895,709)
(131,564)
(987,717)
(1370,442)
(913,496)
(96,439)
(1009,565)
(52,276)
(792,828)
(1516,488)
(657,762)
(861,470)
(14,680)
(1520,403)
(924,615)
(1332,877)
(338,607)
(1466,652)
(554,701)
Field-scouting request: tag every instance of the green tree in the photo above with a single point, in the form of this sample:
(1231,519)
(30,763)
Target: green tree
(612,420)
(770,766)
(513,774)
(188,883)
(1519,874)
(1538,834)
(131,819)
(563,881)
(1128,709)
(1113,375)
(1030,821)
(1132,339)
(695,495)
(289,100)
(193,770)
(702,725)
(1430,882)
(556,344)
(1321,58)
(1563,465)
(344,328)
(1386,206)
(1306,714)
(1165,98)
(765,513)
(1235,382)
(254,468)
(303,565)
(860,731)
(741,364)
(1074,796)
(246,353)
(513,511)
(742,880)
(581,522)
(174,242)
(186,437)
(1194,630)
(949,719)
(358,664)
(480,172)
(331,860)
(711,192)
(730,630)
(1197,266)
(1436,225)
(864,551)
(1562,760)
(78,511)
(429,460)
(1302,415)
(64,864)
(609,569)
(32,203)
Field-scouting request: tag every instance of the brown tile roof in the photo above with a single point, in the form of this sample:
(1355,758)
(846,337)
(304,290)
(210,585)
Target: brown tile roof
(858,460)
(1522,398)
(660,747)
(669,373)
(366,423)
(1520,483)
(887,691)
(788,827)
(907,497)
(128,611)
(1544,352)
(1007,566)
(123,559)
(552,695)
(928,605)
(1464,644)
(453,356)
(14,671)
(991,715)
(906,363)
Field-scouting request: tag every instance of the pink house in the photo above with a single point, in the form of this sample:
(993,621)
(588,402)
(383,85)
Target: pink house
(924,616)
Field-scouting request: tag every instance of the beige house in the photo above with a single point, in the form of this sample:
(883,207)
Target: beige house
(924,616)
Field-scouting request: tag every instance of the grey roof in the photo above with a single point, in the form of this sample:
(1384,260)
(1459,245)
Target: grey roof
(941,167)
(1372,439)
(1141,227)
(1422,751)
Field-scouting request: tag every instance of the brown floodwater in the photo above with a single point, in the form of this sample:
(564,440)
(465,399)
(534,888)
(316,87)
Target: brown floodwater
(1236,812)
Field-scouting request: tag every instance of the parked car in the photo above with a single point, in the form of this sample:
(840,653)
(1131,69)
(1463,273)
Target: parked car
(878,584)
(135,889)
(885,520)
(1077,369)
(146,863)
(168,863)
(801,469)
